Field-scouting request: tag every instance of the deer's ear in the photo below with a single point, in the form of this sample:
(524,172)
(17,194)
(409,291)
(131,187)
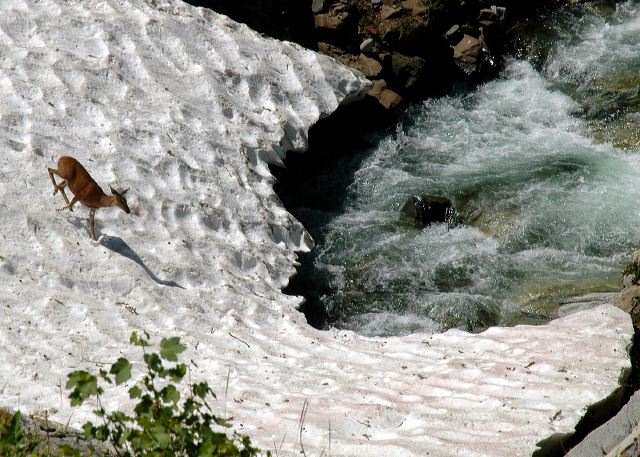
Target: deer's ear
(125,191)
(113,191)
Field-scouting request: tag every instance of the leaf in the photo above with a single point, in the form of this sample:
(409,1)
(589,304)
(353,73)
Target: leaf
(89,430)
(135,392)
(104,375)
(170,394)
(222,422)
(83,384)
(144,406)
(12,435)
(153,362)
(177,373)
(69,451)
(139,341)
(122,370)
(160,435)
(201,389)
(170,348)
(101,433)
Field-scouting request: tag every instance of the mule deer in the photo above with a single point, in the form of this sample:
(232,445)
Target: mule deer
(85,190)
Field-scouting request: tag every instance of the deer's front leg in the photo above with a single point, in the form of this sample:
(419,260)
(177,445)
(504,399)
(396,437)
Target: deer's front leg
(70,205)
(58,187)
(64,195)
(53,180)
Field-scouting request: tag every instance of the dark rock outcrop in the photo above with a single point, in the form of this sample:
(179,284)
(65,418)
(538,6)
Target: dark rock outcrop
(421,46)
(290,20)
(410,49)
(428,209)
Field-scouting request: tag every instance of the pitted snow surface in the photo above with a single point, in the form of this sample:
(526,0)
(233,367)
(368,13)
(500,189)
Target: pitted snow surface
(186,108)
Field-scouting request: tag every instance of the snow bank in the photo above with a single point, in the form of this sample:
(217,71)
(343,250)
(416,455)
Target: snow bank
(187,108)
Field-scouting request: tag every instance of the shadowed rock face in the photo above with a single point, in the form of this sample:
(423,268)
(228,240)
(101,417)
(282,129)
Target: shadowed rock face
(406,38)
(290,20)
(409,48)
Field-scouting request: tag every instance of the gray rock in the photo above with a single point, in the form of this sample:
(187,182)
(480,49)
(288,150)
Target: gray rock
(388,12)
(407,71)
(333,22)
(487,14)
(454,35)
(385,96)
(588,301)
(367,45)
(317,5)
(417,7)
(616,432)
(467,50)
(369,66)
(500,11)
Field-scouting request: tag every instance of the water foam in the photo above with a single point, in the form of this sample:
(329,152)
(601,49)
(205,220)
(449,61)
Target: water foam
(544,212)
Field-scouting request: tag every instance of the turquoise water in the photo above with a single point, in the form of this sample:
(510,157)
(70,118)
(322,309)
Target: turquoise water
(543,168)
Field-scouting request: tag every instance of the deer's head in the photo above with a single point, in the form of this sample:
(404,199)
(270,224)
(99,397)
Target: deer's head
(121,202)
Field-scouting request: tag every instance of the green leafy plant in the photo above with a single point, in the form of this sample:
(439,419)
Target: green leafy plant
(632,269)
(162,423)
(13,440)
(16,442)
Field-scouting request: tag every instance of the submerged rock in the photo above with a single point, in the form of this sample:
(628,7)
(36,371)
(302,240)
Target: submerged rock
(428,209)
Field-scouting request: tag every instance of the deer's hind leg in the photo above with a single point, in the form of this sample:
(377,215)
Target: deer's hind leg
(92,223)
(58,187)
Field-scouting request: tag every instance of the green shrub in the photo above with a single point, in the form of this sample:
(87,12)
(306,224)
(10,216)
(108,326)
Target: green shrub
(13,440)
(632,269)
(162,423)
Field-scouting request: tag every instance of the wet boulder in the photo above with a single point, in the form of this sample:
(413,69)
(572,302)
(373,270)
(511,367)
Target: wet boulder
(387,98)
(408,72)
(427,209)
(290,20)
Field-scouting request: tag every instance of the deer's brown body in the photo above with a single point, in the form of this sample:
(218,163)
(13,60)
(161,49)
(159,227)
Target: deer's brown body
(84,188)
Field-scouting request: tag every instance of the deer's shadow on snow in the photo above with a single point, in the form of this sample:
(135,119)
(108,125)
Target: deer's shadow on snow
(117,244)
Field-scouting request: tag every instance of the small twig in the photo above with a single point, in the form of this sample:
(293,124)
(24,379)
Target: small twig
(46,424)
(226,390)
(95,362)
(275,446)
(233,336)
(60,387)
(303,415)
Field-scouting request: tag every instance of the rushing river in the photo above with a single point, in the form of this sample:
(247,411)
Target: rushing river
(543,167)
